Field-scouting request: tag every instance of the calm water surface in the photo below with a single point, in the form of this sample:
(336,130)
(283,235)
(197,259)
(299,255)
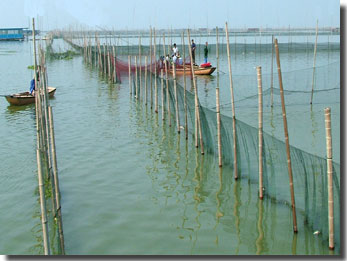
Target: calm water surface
(129,184)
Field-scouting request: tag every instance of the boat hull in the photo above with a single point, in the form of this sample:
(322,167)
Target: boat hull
(25,98)
(197,71)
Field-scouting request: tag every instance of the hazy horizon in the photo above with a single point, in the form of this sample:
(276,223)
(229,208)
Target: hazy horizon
(139,15)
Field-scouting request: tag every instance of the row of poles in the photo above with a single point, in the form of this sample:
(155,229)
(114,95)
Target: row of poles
(46,151)
(166,110)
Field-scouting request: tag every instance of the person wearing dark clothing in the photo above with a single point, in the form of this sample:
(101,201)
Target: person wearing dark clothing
(193,51)
(32,82)
(206,52)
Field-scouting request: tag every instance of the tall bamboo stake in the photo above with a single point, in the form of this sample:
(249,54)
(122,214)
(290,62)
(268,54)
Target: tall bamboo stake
(108,63)
(219,139)
(176,98)
(43,205)
(185,89)
(129,62)
(314,61)
(260,131)
(272,65)
(104,60)
(330,177)
(146,71)
(56,180)
(286,137)
(136,79)
(196,105)
(167,84)
(155,77)
(162,95)
(38,156)
(140,65)
(151,67)
(197,112)
(114,77)
(232,102)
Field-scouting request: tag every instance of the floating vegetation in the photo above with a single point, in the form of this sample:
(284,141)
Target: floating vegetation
(31,67)
(68,55)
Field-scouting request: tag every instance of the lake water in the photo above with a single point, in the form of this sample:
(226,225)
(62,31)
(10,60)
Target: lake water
(130,184)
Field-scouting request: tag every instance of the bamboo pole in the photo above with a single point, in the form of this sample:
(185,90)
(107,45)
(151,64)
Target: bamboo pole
(38,156)
(286,138)
(129,62)
(232,102)
(151,67)
(108,63)
(140,65)
(114,77)
(176,98)
(219,140)
(272,65)
(136,87)
(155,77)
(104,65)
(260,131)
(185,89)
(197,112)
(314,61)
(146,71)
(162,95)
(194,84)
(56,180)
(167,84)
(43,205)
(330,177)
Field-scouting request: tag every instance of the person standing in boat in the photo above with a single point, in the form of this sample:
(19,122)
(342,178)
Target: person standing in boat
(32,82)
(206,52)
(193,51)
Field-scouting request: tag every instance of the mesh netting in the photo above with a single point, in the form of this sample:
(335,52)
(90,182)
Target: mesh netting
(309,171)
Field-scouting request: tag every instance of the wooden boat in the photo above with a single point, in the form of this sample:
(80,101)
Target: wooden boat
(25,98)
(197,70)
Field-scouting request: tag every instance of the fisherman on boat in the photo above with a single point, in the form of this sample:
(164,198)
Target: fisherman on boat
(206,52)
(32,82)
(193,51)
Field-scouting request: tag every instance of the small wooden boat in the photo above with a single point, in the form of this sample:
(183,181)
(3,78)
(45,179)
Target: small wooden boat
(25,98)
(197,70)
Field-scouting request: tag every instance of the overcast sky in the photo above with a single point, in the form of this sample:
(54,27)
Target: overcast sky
(140,14)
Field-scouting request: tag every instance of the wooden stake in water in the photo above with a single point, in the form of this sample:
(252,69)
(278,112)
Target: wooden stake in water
(314,61)
(140,67)
(260,131)
(43,205)
(114,77)
(130,87)
(219,139)
(162,95)
(272,65)
(185,89)
(56,180)
(146,71)
(151,67)
(232,102)
(176,98)
(136,79)
(155,78)
(286,138)
(330,177)
(167,84)
(38,155)
(197,112)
